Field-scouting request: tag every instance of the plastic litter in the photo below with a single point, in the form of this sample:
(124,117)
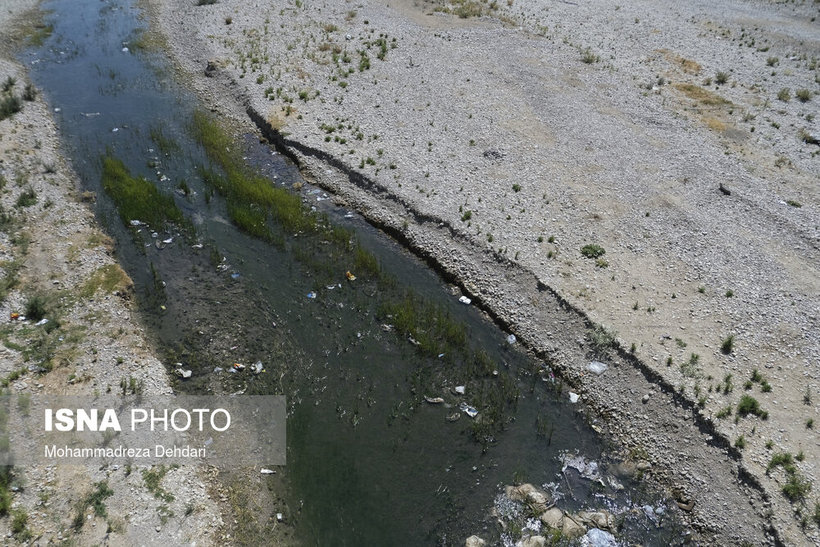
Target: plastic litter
(280,517)
(197,246)
(182,373)
(235,275)
(350,276)
(597,367)
(434,400)
(460,390)
(238,366)
(209,442)
(465,300)
(453,417)
(14,316)
(267,471)
(41,322)
(311,295)
(217,370)
(587,469)
(573,397)
(136,223)
(169,240)
(257,367)
(468,410)
(511,339)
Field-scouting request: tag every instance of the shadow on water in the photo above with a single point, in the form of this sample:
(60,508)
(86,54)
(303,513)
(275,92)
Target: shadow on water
(370,462)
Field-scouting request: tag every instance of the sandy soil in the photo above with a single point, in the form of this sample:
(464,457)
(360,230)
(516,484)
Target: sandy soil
(54,248)
(681,139)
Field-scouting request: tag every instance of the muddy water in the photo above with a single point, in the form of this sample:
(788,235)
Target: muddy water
(369,461)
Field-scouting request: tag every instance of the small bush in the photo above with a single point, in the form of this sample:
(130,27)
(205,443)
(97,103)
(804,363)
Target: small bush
(721,78)
(803,95)
(9,106)
(27,198)
(36,307)
(29,93)
(592,251)
(205,2)
(728,344)
(749,405)
(796,487)
(588,57)
(8,84)
(784,94)
(466,216)
(771,61)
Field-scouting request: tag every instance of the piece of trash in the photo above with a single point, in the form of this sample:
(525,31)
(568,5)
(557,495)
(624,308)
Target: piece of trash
(350,276)
(434,400)
(511,339)
(440,355)
(125,50)
(135,223)
(280,517)
(386,327)
(169,240)
(232,370)
(14,316)
(182,373)
(267,471)
(257,367)
(311,295)
(348,215)
(468,410)
(162,307)
(238,366)
(573,397)
(41,322)
(217,370)
(597,367)
(235,275)
(587,469)
(460,390)
(115,129)
(209,442)
(154,235)
(465,300)
(197,246)
(159,244)
(330,287)
(453,417)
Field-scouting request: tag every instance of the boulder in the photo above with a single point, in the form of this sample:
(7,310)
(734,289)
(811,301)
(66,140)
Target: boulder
(597,519)
(530,496)
(553,519)
(572,529)
(474,541)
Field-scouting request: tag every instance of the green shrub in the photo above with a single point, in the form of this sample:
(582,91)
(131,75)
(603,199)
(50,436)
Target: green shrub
(36,307)
(10,105)
(592,251)
(749,405)
(728,344)
(803,95)
(784,94)
(721,78)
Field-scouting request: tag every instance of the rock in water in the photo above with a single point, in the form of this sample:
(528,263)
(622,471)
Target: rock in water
(474,541)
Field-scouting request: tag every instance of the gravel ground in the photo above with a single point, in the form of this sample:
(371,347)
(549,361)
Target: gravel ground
(59,247)
(680,138)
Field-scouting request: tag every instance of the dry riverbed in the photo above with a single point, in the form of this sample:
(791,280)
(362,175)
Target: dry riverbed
(650,167)
(57,265)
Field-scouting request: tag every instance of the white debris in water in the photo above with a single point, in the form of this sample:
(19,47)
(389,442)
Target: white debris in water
(511,339)
(465,300)
(573,397)
(587,469)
